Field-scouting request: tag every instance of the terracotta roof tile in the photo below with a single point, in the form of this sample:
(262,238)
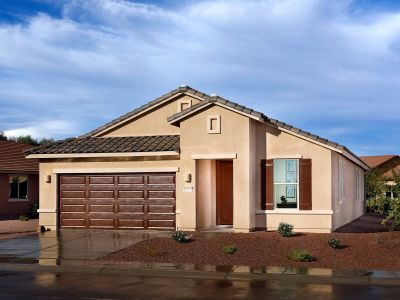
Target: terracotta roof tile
(111,145)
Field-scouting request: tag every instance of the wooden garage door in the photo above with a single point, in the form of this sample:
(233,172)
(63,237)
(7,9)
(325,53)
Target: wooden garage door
(120,201)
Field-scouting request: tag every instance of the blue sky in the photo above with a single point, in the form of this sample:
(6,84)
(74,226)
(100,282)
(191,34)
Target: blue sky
(329,67)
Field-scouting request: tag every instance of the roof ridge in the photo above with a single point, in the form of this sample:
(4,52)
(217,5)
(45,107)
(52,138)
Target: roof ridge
(180,89)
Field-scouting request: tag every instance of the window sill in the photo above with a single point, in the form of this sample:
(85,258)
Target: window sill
(18,200)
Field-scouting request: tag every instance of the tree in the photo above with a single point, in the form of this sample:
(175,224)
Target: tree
(2,136)
(392,219)
(28,139)
(375,192)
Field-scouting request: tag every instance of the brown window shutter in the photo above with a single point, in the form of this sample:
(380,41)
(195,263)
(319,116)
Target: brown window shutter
(269,184)
(305,197)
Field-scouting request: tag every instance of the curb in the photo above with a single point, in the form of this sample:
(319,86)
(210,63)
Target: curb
(304,275)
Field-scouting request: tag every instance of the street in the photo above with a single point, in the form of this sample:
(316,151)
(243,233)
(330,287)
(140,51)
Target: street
(47,285)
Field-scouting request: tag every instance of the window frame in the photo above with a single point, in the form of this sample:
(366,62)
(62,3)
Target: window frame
(27,188)
(285,183)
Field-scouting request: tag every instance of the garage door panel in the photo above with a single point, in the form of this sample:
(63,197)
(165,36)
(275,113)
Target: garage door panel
(101,180)
(161,201)
(73,194)
(131,194)
(101,208)
(154,209)
(73,223)
(73,208)
(102,194)
(158,224)
(161,179)
(108,223)
(123,208)
(134,179)
(73,180)
(120,201)
(161,194)
(131,223)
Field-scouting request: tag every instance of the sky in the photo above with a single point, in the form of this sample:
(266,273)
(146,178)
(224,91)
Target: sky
(329,67)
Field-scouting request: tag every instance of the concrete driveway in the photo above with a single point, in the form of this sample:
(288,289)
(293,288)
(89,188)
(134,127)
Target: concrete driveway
(67,247)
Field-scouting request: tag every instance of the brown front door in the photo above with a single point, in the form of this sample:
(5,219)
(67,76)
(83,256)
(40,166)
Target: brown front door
(118,201)
(224,192)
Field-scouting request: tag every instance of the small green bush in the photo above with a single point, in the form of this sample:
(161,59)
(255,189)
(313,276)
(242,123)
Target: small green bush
(300,255)
(180,237)
(34,210)
(23,218)
(334,243)
(285,229)
(230,249)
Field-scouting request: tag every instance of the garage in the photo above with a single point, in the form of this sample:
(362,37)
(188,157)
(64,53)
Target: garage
(117,201)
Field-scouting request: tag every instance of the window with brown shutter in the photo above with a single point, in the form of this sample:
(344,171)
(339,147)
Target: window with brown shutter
(305,188)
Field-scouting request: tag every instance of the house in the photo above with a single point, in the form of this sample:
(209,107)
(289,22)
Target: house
(388,167)
(189,160)
(19,180)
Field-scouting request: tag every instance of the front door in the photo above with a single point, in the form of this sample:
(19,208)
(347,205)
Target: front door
(224,192)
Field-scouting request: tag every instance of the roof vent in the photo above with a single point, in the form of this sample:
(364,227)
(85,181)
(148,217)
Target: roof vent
(183,85)
(213,95)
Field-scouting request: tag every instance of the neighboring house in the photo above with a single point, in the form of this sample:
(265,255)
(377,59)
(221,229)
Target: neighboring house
(19,186)
(387,166)
(189,160)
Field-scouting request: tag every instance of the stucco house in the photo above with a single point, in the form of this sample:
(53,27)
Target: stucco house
(189,160)
(19,186)
(387,167)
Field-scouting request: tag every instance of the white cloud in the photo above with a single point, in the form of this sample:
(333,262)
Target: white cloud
(46,129)
(307,62)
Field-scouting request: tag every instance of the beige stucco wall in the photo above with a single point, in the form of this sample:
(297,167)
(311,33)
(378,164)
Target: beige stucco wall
(206,193)
(48,197)
(280,144)
(349,208)
(234,138)
(153,122)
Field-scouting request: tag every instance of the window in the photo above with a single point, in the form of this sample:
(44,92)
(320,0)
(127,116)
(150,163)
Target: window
(184,104)
(286,183)
(18,187)
(214,124)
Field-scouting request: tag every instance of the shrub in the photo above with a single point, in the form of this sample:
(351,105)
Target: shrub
(285,229)
(300,255)
(180,237)
(334,243)
(34,210)
(230,249)
(23,218)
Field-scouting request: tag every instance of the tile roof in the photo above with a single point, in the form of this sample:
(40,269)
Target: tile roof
(110,145)
(377,160)
(216,99)
(12,158)
(181,89)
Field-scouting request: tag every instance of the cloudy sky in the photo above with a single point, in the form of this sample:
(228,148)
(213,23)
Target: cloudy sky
(329,67)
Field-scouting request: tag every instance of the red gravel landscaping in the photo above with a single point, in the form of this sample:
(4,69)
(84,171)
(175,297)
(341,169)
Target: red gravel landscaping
(361,250)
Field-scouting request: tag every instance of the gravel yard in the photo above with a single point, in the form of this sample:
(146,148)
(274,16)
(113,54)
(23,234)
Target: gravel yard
(372,251)
(16,226)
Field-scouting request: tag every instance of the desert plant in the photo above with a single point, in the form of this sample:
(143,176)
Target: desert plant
(334,243)
(230,249)
(180,237)
(300,255)
(34,210)
(23,218)
(285,229)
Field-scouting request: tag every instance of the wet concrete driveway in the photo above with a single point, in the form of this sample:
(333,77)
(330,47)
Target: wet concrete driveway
(66,246)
